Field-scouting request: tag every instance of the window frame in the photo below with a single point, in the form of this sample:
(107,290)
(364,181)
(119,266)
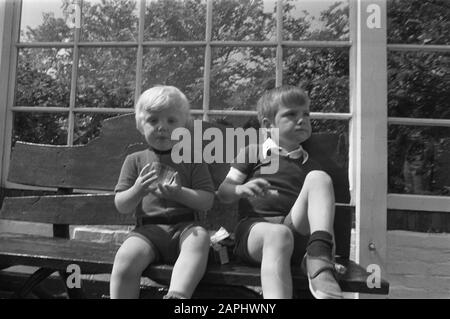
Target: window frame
(364,116)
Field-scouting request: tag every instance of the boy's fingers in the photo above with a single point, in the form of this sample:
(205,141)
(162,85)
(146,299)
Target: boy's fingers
(149,181)
(261,182)
(162,189)
(143,169)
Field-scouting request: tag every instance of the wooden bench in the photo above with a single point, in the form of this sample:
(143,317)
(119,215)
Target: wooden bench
(94,168)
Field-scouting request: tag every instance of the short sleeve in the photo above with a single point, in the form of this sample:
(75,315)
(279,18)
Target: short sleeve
(128,174)
(246,160)
(201,178)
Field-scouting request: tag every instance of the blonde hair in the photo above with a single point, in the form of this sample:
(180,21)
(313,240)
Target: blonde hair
(158,98)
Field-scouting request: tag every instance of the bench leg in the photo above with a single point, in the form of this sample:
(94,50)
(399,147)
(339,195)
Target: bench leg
(35,279)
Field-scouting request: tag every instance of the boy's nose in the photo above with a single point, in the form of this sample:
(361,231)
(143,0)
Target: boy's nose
(162,127)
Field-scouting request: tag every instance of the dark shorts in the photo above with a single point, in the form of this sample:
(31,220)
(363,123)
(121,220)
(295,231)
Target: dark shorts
(242,231)
(164,239)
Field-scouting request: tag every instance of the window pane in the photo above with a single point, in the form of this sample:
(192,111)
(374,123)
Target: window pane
(418,84)
(176,20)
(43,128)
(45,21)
(109,20)
(341,129)
(43,77)
(316,20)
(243,121)
(426,222)
(87,126)
(418,21)
(239,75)
(244,20)
(324,73)
(177,66)
(106,77)
(419,160)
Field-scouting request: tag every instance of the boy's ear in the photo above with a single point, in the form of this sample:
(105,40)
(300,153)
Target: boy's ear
(266,123)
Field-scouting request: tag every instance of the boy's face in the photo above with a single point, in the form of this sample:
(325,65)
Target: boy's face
(292,126)
(158,127)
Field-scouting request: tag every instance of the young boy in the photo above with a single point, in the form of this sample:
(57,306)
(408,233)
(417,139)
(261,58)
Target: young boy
(278,211)
(166,230)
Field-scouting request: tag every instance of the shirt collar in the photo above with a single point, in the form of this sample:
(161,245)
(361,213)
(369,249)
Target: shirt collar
(270,145)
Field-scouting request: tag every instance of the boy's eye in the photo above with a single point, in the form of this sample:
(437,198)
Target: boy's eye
(152,120)
(172,120)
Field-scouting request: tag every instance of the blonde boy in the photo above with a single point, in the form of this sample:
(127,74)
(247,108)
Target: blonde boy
(166,230)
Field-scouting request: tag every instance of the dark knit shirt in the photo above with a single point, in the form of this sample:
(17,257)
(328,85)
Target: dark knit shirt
(287,182)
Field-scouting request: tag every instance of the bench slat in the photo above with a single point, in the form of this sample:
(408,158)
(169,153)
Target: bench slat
(85,209)
(98,258)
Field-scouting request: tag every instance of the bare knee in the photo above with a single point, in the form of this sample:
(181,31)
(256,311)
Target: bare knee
(129,264)
(279,238)
(195,238)
(318,178)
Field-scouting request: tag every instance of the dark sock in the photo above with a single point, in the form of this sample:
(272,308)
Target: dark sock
(320,244)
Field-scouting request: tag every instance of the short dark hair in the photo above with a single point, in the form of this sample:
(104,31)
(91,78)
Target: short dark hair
(286,95)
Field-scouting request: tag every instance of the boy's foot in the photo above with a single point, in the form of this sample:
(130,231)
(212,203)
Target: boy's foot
(321,277)
(174,295)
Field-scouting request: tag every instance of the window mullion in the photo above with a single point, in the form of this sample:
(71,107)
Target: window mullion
(8,56)
(208,58)
(73,82)
(279,53)
(140,51)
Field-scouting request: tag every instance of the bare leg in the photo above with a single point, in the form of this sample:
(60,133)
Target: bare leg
(191,263)
(272,245)
(314,208)
(131,259)
(316,202)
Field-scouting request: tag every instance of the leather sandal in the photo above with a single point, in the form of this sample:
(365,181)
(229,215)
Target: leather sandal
(321,273)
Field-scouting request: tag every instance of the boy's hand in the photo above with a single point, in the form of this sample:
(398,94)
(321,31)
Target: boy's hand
(144,180)
(253,188)
(168,190)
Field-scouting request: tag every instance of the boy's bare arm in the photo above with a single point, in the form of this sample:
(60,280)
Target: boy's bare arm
(195,198)
(230,190)
(127,200)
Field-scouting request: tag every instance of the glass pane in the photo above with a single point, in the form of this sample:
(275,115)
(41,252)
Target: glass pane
(244,20)
(43,77)
(427,222)
(109,20)
(87,126)
(239,75)
(45,21)
(324,73)
(341,129)
(419,160)
(106,77)
(243,121)
(418,84)
(418,21)
(176,20)
(177,66)
(316,20)
(43,128)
